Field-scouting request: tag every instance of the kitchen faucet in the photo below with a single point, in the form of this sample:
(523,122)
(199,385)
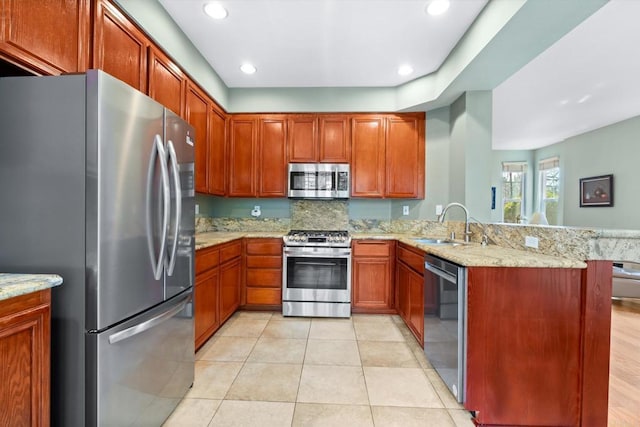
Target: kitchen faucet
(467,233)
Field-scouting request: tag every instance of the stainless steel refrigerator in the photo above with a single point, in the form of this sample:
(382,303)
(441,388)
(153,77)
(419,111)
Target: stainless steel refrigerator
(96,184)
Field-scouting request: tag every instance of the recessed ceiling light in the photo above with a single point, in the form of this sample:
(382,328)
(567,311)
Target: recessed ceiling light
(437,7)
(405,70)
(215,10)
(248,68)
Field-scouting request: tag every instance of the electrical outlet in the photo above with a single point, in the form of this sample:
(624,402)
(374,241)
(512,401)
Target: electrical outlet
(197,209)
(531,242)
(405,210)
(438,209)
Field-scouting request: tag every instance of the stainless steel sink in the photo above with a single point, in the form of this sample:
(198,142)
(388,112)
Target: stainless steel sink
(439,242)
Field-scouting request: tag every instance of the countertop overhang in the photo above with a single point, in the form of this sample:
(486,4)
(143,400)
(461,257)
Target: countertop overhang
(13,285)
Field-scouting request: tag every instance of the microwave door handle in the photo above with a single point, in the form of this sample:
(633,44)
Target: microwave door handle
(178,188)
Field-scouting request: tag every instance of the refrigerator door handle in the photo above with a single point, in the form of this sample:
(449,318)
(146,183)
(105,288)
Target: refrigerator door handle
(158,150)
(151,323)
(176,182)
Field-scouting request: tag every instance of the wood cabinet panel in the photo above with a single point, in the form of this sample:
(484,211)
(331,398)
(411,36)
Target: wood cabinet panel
(368,156)
(230,250)
(46,36)
(303,138)
(206,319)
(217,169)
(416,305)
(264,247)
(410,288)
(167,83)
(264,277)
(264,261)
(242,153)
(264,296)
(272,159)
(335,138)
(197,110)
(524,358)
(119,47)
(25,344)
(207,258)
(414,258)
(372,276)
(230,279)
(405,156)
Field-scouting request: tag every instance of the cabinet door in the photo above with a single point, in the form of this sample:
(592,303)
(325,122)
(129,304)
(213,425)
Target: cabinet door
(197,111)
(217,149)
(243,134)
(367,156)
(371,283)
(416,305)
(272,159)
(119,47)
(25,345)
(46,36)
(405,161)
(167,83)
(402,285)
(205,306)
(229,288)
(335,138)
(303,138)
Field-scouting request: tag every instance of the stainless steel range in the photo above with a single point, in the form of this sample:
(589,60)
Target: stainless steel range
(316,274)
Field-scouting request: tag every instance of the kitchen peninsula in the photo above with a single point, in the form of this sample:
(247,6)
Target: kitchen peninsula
(25,315)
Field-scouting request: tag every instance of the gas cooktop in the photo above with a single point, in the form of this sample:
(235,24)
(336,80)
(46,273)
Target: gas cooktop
(328,238)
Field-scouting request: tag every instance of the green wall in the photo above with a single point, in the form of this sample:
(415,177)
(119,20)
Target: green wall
(613,149)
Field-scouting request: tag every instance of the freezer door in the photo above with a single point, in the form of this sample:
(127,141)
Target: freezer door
(179,265)
(127,186)
(140,370)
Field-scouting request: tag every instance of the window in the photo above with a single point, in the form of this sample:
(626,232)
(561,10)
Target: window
(514,178)
(549,188)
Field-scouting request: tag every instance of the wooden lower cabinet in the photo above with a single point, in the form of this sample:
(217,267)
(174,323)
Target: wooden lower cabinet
(263,273)
(25,344)
(410,289)
(217,288)
(372,289)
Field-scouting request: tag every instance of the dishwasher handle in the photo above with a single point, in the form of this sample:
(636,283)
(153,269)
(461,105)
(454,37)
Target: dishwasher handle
(441,273)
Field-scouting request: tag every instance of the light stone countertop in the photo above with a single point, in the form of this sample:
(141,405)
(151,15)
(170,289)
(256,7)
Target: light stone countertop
(469,255)
(13,285)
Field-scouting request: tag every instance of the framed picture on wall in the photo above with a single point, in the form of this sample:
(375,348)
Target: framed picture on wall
(596,191)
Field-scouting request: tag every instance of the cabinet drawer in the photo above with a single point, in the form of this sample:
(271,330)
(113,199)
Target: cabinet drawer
(269,278)
(230,250)
(264,262)
(206,259)
(412,259)
(380,248)
(264,246)
(264,296)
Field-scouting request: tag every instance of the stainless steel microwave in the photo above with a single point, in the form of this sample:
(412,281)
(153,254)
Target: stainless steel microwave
(319,180)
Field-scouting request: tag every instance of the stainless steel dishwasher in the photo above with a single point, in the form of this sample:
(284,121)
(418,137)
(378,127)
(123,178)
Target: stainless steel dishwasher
(445,321)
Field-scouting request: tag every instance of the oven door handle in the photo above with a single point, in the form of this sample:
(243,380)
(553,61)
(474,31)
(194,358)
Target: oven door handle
(334,253)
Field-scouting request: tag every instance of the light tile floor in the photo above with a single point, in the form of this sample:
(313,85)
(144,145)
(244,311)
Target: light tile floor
(263,369)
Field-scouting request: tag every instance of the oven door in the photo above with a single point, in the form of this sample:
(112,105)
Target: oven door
(316,274)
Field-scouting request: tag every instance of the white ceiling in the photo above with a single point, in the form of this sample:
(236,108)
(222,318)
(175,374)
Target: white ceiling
(588,79)
(323,43)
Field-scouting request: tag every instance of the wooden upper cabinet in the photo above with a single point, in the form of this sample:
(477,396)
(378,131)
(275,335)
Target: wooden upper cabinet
(303,138)
(335,138)
(272,157)
(368,156)
(119,47)
(243,132)
(405,160)
(324,138)
(217,149)
(197,110)
(167,83)
(46,36)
